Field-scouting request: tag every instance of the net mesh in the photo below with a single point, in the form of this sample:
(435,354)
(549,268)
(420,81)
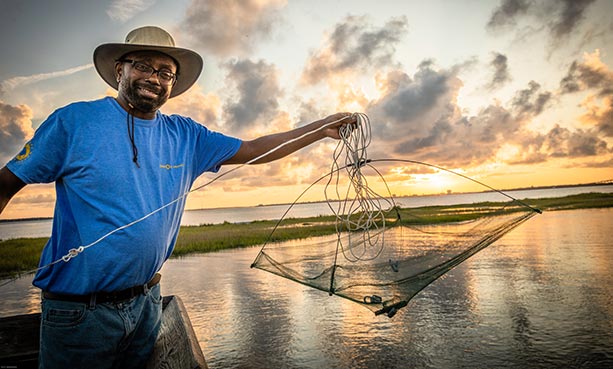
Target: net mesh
(382,250)
(402,251)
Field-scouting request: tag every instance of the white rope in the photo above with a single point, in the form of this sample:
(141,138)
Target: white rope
(360,210)
(74,252)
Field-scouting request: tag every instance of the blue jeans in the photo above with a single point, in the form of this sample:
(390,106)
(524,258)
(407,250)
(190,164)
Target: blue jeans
(108,335)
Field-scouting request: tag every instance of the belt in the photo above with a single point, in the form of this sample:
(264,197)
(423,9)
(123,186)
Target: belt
(102,297)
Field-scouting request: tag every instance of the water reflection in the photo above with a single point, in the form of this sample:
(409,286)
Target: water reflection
(19,297)
(539,297)
(542,296)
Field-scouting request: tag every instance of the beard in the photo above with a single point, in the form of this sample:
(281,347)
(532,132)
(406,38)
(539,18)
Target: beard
(143,95)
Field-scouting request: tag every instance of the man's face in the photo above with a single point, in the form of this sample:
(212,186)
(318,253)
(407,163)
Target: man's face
(147,92)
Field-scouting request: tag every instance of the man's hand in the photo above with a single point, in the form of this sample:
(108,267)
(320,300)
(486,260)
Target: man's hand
(341,119)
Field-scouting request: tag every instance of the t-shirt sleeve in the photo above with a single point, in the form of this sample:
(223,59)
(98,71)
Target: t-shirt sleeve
(213,148)
(42,158)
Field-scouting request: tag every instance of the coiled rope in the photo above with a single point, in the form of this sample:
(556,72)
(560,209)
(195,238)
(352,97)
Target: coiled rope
(360,210)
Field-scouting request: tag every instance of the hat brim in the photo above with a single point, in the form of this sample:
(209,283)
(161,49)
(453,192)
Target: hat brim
(189,61)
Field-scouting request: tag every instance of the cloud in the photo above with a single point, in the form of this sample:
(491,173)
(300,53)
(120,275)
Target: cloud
(257,102)
(418,117)
(15,129)
(570,13)
(597,163)
(507,12)
(599,115)
(592,74)
(309,111)
(36,199)
(231,27)
(203,108)
(561,142)
(124,10)
(292,170)
(530,101)
(496,128)
(15,82)
(408,104)
(501,74)
(354,45)
(561,17)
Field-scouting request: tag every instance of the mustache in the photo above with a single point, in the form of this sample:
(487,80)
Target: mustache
(150,86)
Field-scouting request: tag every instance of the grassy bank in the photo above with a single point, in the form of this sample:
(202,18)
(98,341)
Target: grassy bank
(22,254)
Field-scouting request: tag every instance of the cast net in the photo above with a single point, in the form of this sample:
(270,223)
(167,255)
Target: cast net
(380,251)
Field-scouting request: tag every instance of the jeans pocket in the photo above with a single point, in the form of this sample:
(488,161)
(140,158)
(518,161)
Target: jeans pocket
(63,313)
(155,294)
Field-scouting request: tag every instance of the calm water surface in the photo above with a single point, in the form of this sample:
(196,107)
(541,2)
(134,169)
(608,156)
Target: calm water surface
(540,297)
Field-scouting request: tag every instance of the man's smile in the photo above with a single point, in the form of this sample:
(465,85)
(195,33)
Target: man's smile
(148,91)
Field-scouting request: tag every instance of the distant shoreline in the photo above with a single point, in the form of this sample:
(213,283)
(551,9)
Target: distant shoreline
(24,219)
(593,184)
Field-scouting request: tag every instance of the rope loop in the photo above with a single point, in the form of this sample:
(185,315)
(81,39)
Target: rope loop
(72,253)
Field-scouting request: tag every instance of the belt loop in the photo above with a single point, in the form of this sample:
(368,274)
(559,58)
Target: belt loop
(92,301)
(146,288)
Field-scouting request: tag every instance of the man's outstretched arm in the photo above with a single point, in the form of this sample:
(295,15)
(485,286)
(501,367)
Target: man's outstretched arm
(327,127)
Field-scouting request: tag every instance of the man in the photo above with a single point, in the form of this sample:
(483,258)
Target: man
(113,161)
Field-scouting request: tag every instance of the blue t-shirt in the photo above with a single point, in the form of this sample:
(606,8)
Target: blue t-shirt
(85,148)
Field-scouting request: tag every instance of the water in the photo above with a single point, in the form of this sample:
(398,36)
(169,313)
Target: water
(42,227)
(540,297)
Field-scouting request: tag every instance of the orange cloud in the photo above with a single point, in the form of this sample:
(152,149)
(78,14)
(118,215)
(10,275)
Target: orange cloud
(15,129)
(593,62)
(599,113)
(203,108)
(593,75)
(32,201)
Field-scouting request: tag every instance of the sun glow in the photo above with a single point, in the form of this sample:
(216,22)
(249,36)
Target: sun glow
(439,182)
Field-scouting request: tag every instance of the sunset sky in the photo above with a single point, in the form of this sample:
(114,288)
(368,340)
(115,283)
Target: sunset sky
(514,93)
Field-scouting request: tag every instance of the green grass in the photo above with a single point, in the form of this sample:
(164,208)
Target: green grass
(18,255)
(214,237)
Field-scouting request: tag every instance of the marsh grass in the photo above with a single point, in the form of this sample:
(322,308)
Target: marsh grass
(19,255)
(22,254)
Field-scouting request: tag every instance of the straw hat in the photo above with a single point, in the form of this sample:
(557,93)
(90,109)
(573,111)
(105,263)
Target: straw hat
(149,39)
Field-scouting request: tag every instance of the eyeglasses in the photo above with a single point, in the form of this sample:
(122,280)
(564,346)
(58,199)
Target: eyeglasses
(165,76)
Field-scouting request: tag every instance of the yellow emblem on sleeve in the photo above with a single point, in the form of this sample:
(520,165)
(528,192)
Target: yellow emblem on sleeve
(25,152)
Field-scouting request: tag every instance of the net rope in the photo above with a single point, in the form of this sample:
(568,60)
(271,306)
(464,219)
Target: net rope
(363,209)
(378,257)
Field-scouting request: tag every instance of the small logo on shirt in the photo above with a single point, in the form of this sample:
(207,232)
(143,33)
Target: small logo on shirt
(170,166)
(25,152)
